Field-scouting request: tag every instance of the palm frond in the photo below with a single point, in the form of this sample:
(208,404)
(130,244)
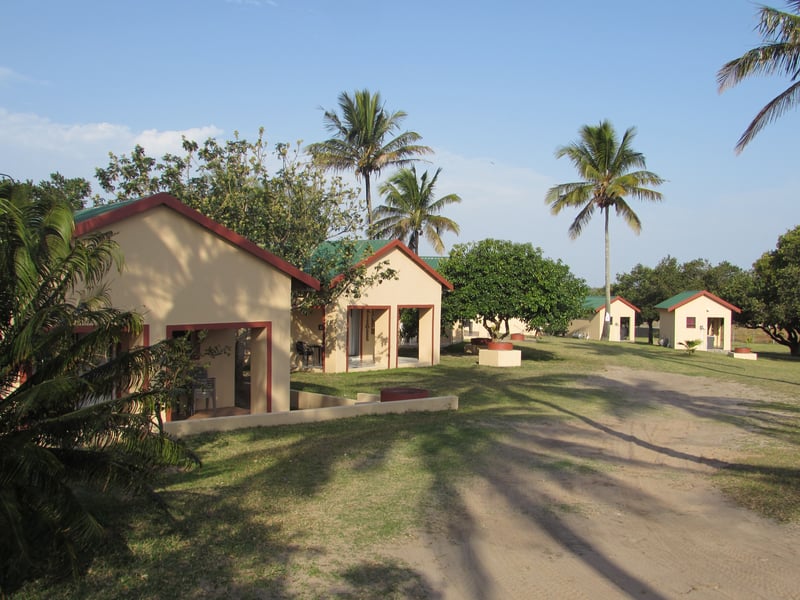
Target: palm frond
(364,139)
(581,220)
(67,414)
(779,54)
(785,101)
(411,209)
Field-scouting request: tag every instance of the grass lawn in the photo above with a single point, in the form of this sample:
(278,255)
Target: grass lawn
(284,512)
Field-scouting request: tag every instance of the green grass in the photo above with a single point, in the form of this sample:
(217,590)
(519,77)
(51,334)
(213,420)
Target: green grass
(290,512)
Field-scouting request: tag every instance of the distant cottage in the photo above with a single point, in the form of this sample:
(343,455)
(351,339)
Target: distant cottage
(697,315)
(623,320)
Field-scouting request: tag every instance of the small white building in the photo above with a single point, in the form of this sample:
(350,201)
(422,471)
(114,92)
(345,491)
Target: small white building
(697,315)
(623,320)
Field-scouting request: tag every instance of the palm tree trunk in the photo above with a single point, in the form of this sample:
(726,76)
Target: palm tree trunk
(369,204)
(607,317)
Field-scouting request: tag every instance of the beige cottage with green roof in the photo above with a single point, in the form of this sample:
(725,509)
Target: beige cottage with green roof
(696,315)
(363,332)
(623,320)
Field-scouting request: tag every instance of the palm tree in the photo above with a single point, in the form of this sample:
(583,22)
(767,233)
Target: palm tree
(64,424)
(362,140)
(780,53)
(411,211)
(605,165)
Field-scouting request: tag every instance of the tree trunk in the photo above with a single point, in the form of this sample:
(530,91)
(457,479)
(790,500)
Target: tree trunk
(369,204)
(791,339)
(650,331)
(413,243)
(607,317)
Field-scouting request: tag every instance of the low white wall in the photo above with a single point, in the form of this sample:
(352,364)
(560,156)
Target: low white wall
(301,400)
(312,415)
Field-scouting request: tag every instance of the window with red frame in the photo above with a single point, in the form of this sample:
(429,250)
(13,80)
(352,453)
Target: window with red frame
(691,322)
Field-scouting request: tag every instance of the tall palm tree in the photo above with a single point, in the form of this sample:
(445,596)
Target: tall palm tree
(780,53)
(411,210)
(63,425)
(362,139)
(605,164)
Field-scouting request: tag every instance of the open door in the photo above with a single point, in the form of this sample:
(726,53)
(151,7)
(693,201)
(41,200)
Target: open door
(354,332)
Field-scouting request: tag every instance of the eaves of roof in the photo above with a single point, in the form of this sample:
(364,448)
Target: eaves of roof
(101,217)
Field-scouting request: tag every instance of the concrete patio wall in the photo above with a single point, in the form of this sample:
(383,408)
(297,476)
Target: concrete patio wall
(313,415)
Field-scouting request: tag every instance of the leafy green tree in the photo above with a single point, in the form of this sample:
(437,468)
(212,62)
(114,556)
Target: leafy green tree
(607,166)
(774,305)
(66,427)
(409,323)
(779,53)
(412,211)
(364,140)
(75,191)
(730,282)
(496,280)
(130,177)
(289,212)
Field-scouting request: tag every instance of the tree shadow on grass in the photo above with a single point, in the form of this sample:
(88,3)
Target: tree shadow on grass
(387,579)
(702,361)
(534,354)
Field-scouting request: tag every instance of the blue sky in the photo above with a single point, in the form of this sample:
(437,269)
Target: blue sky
(493,87)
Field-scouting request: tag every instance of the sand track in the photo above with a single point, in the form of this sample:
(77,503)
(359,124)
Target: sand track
(618,506)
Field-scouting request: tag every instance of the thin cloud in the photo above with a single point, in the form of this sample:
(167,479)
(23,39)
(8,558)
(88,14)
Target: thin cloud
(157,143)
(35,146)
(34,132)
(10,76)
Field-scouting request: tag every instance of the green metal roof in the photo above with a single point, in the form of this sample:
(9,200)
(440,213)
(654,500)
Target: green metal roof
(677,299)
(336,254)
(432,261)
(361,249)
(100,209)
(595,302)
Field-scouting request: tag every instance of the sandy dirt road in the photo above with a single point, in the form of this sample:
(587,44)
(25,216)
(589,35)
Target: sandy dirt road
(618,506)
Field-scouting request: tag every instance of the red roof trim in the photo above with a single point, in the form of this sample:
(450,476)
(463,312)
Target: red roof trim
(110,217)
(614,299)
(708,295)
(620,299)
(397,244)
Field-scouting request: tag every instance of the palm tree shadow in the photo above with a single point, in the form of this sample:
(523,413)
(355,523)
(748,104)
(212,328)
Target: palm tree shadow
(386,579)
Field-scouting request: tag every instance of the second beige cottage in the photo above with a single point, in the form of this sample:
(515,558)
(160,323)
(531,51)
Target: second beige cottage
(363,332)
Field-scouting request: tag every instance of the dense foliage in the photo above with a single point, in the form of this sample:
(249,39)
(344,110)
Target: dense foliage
(68,427)
(288,212)
(774,306)
(496,280)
